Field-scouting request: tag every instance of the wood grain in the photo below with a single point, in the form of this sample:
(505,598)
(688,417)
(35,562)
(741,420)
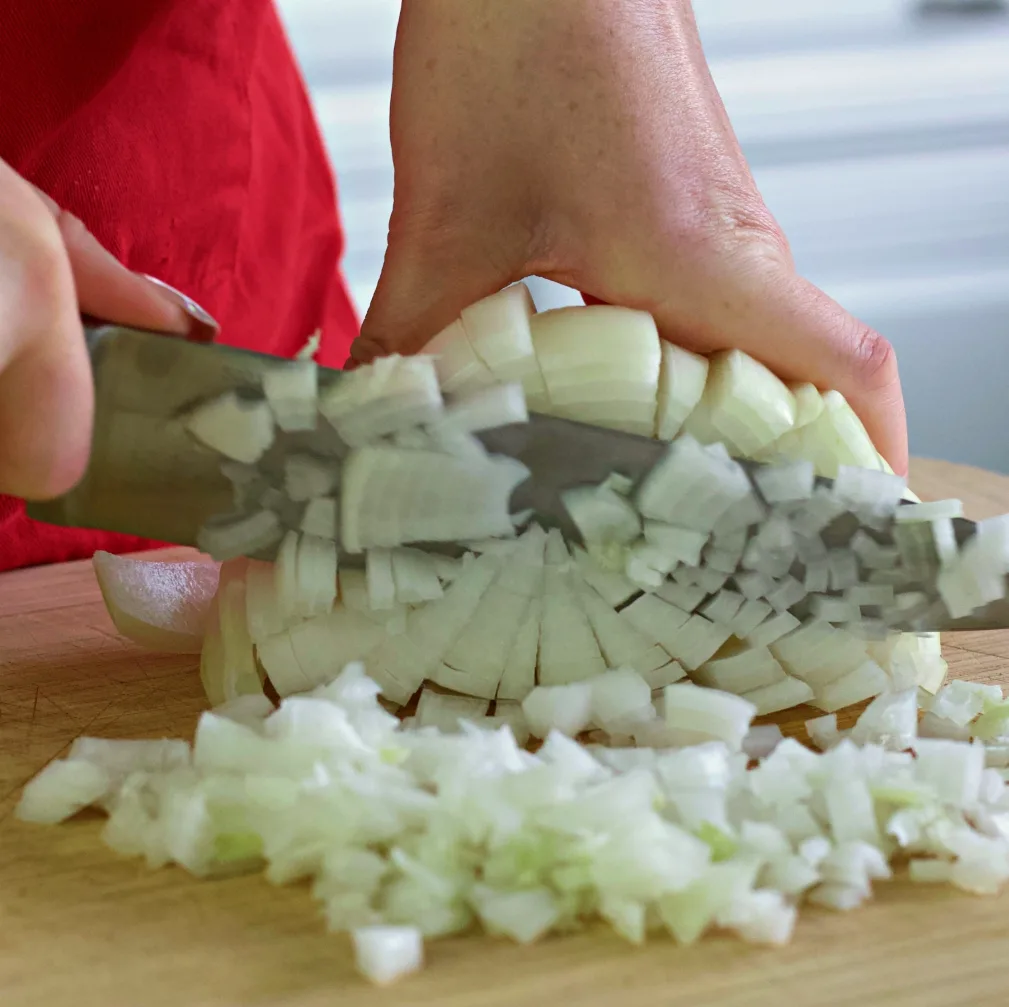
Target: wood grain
(80,926)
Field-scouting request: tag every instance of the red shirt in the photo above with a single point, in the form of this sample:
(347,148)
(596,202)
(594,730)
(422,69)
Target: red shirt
(181,133)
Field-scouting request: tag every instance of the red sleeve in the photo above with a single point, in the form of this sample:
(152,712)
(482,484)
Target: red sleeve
(181,133)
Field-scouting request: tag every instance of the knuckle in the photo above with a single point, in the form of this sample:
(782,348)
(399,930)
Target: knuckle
(41,275)
(873,358)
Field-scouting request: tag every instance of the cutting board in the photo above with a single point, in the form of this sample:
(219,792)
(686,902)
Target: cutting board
(80,926)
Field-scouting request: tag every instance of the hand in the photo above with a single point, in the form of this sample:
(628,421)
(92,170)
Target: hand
(52,270)
(584,141)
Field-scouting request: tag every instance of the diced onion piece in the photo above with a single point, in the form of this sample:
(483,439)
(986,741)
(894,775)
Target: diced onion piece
(311,347)
(262,609)
(523,915)
(836,437)
(686,597)
(519,676)
(708,713)
(745,403)
(332,641)
(681,385)
(771,630)
(953,769)
(890,720)
(394,393)
(760,741)
(444,711)
(613,588)
(384,954)
(320,517)
(867,492)
(239,674)
(162,606)
(306,476)
(241,429)
(508,712)
(460,370)
(476,661)
(277,656)
(484,409)
(864,682)
(292,389)
(785,483)
(603,516)
(231,536)
(621,644)
(823,731)
(601,365)
(563,708)
(779,696)
(62,789)
(679,545)
(749,669)
(381,582)
(619,698)
(393,497)
(416,576)
(498,329)
(808,403)
(934,510)
(316,575)
(692,487)
(568,650)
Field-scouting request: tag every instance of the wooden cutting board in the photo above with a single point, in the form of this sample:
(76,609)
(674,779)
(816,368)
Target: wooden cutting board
(79,926)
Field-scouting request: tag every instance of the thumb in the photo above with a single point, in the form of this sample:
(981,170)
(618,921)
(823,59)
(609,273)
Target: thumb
(422,289)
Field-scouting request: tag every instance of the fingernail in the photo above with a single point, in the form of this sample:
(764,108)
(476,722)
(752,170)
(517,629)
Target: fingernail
(204,327)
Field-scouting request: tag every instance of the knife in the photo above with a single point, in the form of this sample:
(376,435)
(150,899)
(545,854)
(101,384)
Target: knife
(148,477)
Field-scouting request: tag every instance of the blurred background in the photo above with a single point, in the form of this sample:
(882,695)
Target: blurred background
(878,131)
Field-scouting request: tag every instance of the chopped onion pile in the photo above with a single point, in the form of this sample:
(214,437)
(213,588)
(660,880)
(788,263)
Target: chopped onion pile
(416,830)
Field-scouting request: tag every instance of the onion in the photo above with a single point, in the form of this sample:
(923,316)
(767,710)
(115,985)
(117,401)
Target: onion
(744,403)
(601,365)
(393,497)
(241,429)
(749,669)
(563,708)
(385,954)
(498,330)
(483,409)
(708,713)
(291,389)
(231,536)
(320,517)
(681,385)
(162,606)
(306,477)
(415,832)
(444,712)
(603,516)
(392,394)
(459,369)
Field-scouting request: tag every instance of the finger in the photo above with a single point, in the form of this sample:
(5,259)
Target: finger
(108,291)
(45,381)
(46,403)
(419,293)
(801,334)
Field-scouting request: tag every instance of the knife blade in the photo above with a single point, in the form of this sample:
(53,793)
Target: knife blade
(149,477)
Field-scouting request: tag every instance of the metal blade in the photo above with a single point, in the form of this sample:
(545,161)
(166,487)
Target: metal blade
(148,477)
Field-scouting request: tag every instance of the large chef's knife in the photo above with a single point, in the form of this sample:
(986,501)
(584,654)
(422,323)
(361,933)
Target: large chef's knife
(149,477)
